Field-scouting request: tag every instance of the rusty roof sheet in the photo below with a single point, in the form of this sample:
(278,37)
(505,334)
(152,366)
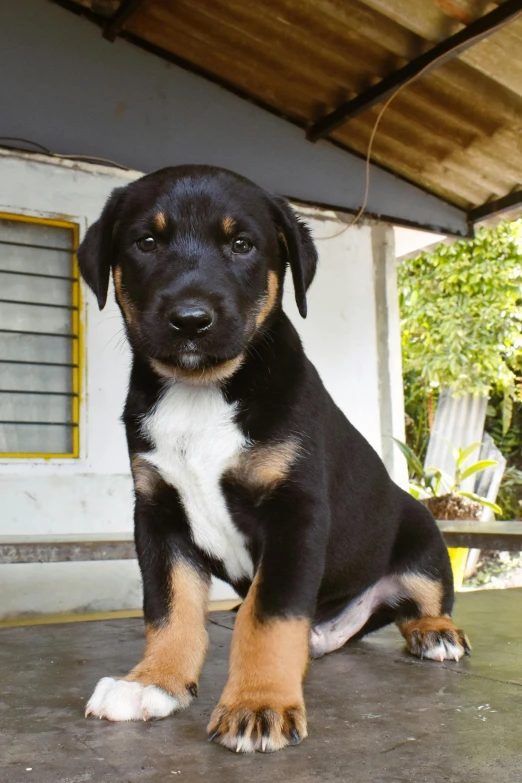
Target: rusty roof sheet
(454,131)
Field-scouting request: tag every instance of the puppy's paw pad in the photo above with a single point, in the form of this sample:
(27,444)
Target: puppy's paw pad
(122,700)
(245,730)
(449,644)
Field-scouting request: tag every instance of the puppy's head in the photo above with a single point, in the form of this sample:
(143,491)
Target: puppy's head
(198,256)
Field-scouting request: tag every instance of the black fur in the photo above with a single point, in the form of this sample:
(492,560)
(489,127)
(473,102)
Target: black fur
(338,523)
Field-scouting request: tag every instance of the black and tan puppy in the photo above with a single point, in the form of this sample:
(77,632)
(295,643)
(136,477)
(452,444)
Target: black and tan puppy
(244,467)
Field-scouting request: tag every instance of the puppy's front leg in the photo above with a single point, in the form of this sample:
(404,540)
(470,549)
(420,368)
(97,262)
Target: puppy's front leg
(262,706)
(175,605)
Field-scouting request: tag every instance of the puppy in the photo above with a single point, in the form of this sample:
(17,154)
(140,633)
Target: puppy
(243,466)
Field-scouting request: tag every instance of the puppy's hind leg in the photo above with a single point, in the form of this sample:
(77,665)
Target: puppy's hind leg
(428,631)
(424,616)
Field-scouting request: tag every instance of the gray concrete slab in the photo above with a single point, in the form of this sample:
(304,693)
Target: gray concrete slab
(375,714)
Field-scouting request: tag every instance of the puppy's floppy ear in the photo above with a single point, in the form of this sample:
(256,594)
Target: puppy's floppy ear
(299,248)
(95,252)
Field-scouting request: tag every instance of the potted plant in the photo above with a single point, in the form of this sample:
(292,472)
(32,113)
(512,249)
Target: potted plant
(445,497)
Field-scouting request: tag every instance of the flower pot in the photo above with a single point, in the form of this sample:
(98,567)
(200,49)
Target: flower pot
(453,506)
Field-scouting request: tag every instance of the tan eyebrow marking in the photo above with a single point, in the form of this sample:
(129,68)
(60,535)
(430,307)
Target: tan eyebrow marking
(228,224)
(160,221)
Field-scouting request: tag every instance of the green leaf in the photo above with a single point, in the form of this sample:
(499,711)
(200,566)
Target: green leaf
(424,492)
(467,452)
(441,479)
(481,500)
(478,466)
(477,282)
(414,464)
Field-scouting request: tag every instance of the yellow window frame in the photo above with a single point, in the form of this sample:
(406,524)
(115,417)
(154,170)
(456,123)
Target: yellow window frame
(76,340)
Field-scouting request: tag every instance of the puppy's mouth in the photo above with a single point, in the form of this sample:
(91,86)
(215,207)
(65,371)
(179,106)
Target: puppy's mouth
(191,357)
(188,356)
(191,360)
(195,354)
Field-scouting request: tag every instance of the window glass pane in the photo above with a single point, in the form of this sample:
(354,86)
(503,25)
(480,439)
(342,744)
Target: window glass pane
(35,377)
(37,322)
(30,348)
(35,407)
(31,318)
(34,289)
(35,233)
(28,439)
(18,258)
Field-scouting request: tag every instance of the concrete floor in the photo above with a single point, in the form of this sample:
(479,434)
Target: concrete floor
(375,714)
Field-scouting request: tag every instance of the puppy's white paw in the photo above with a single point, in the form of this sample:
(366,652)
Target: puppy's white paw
(120,700)
(445,650)
(436,638)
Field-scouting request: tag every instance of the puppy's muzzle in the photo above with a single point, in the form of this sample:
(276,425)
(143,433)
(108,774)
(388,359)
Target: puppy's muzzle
(191,318)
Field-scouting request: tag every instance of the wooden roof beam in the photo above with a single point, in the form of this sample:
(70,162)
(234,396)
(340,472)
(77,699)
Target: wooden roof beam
(116,22)
(438,55)
(495,207)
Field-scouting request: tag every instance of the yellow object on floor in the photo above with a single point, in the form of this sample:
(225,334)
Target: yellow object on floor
(119,614)
(458,558)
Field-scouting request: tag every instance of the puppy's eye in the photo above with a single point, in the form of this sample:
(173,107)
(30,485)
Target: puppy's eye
(242,245)
(147,244)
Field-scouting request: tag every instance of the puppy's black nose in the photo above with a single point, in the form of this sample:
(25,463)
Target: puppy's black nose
(191,318)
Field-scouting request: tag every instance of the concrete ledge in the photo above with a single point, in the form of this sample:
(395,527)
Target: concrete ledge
(503,536)
(60,549)
(500,536)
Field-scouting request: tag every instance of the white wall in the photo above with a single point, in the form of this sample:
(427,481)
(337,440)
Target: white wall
(352,331)
(409,241)
(94,487)
(93,494)
(339,333)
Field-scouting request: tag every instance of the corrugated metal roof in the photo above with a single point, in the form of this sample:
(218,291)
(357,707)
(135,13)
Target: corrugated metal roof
(454,131)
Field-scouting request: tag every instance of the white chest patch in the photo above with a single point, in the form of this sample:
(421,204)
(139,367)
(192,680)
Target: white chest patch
(196,441)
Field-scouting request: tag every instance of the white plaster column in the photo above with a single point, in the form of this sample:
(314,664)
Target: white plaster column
(389,357)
